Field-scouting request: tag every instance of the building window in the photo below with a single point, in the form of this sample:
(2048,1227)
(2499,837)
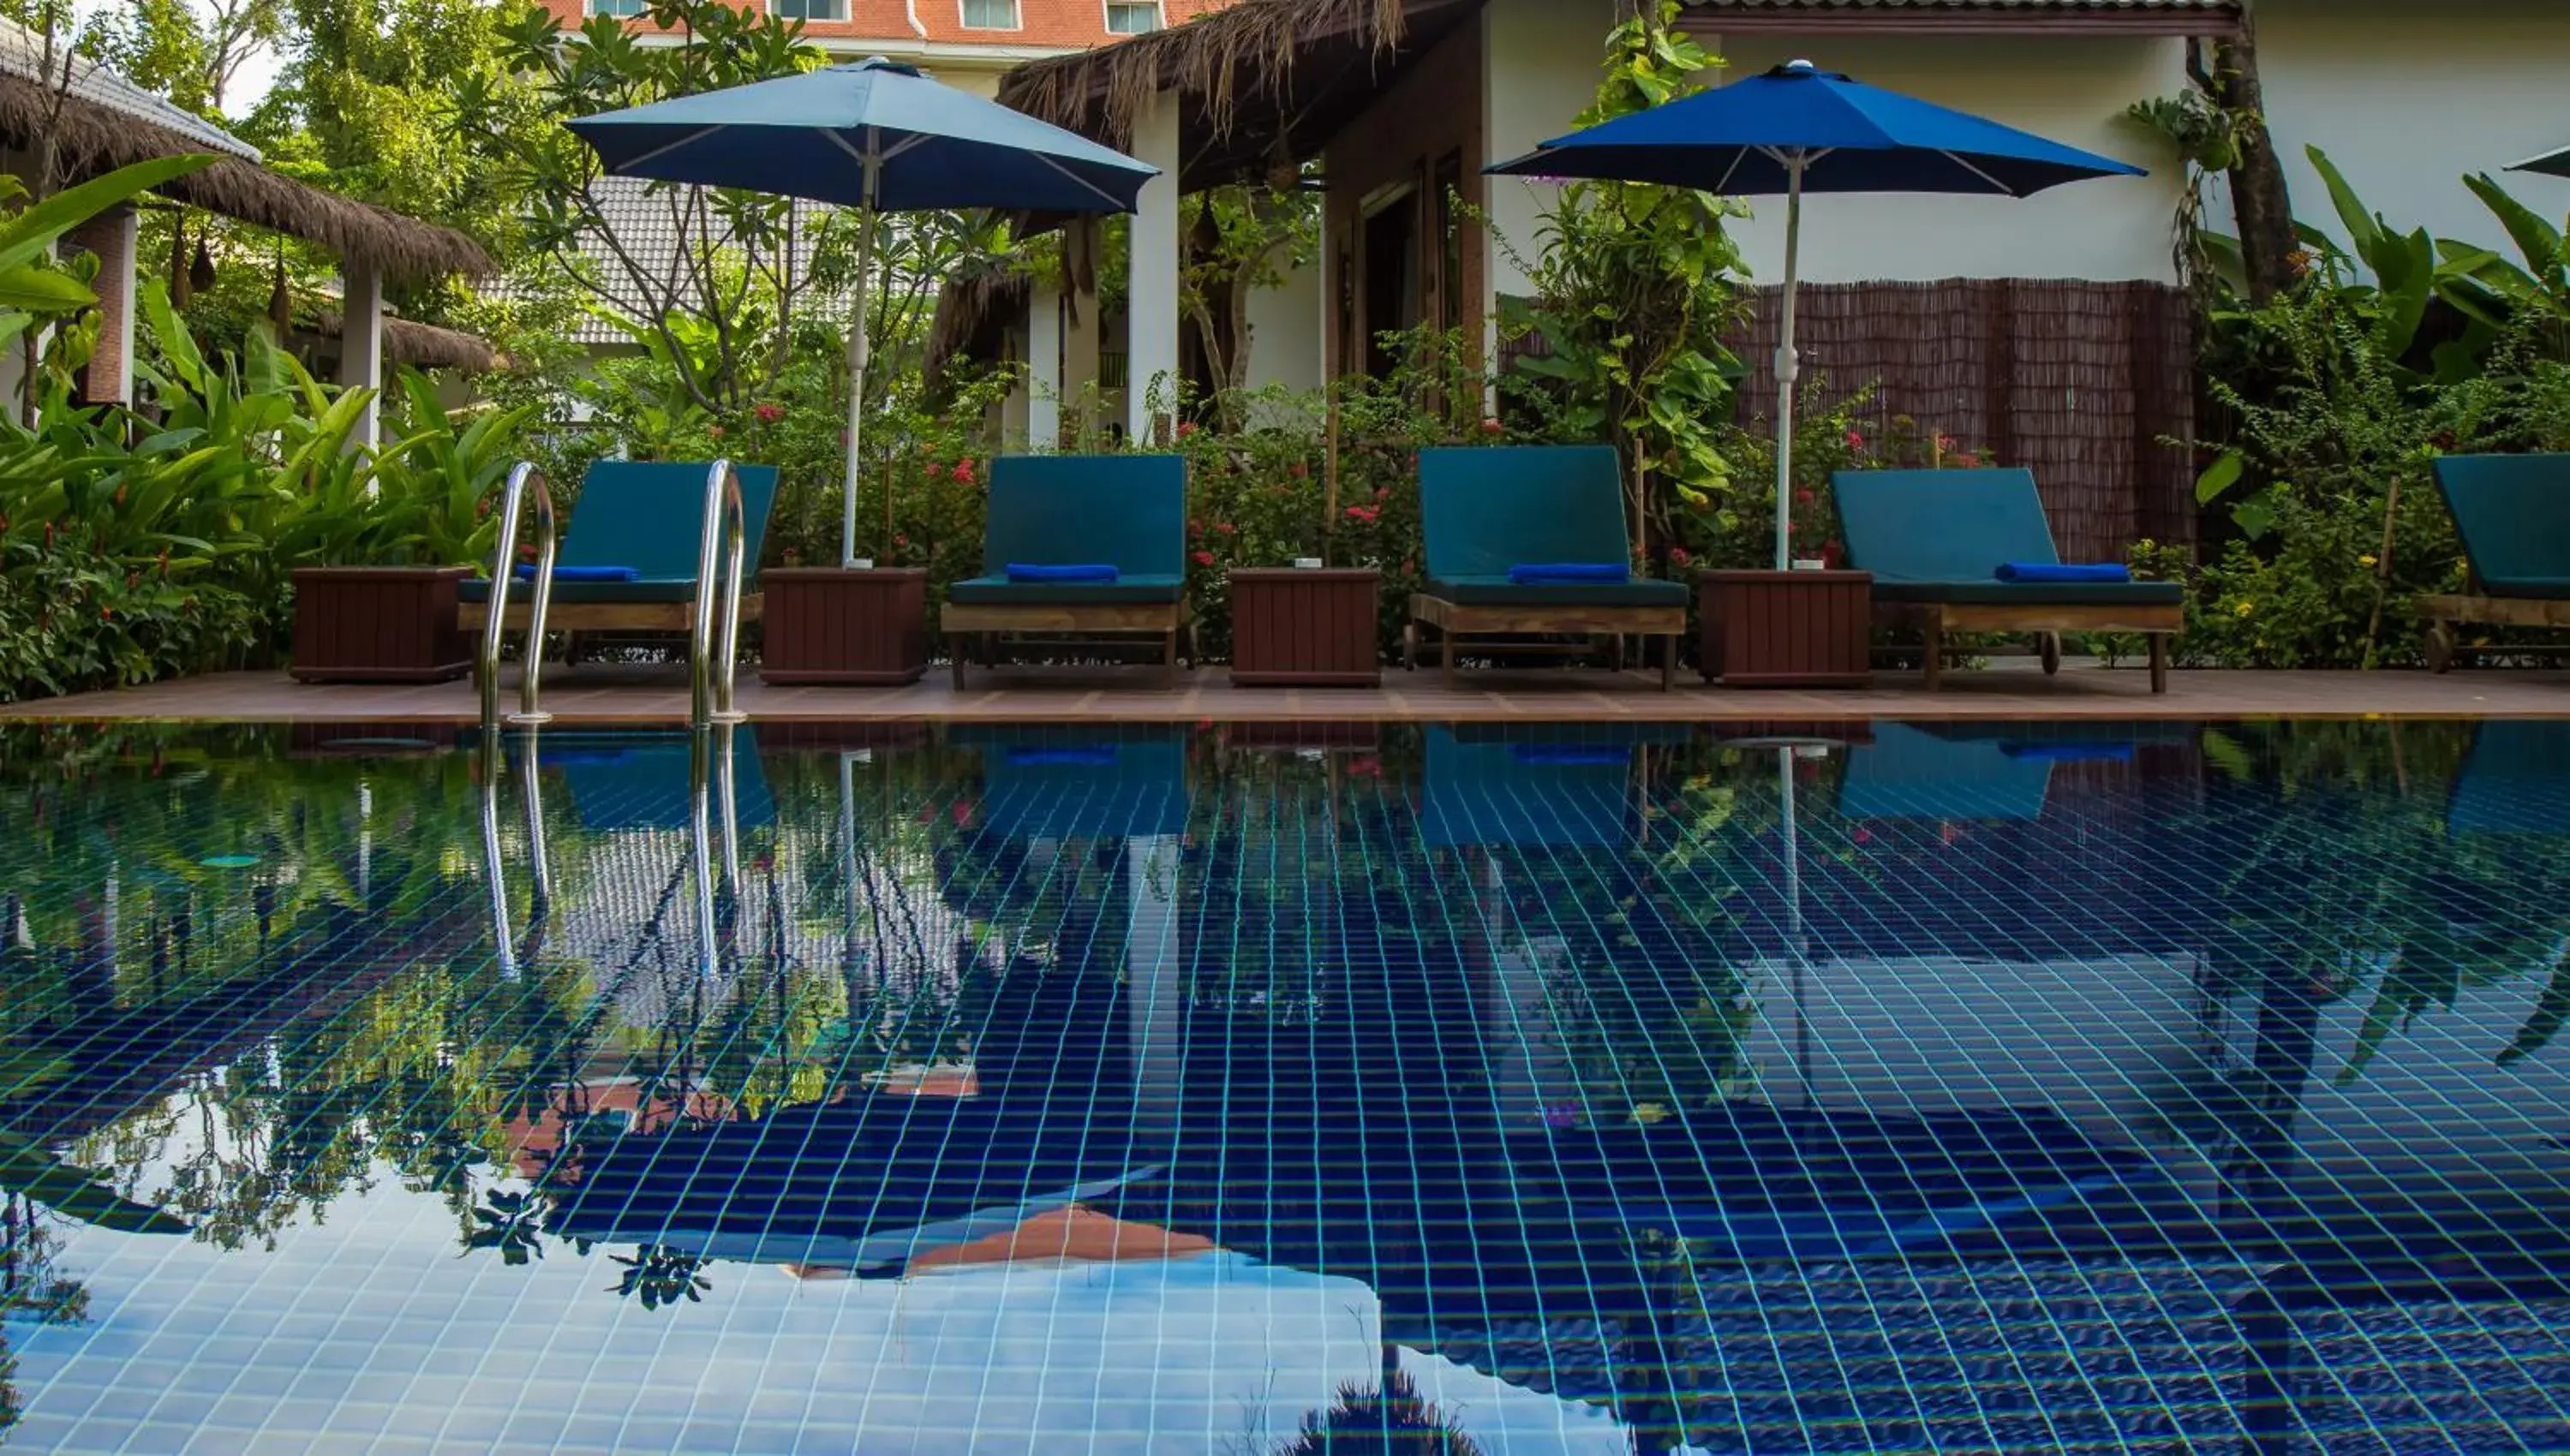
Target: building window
(1133,17)
(622,9)
(990,14)
(808,9)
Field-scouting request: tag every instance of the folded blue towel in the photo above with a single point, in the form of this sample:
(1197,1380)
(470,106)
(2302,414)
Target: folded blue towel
(527,573)
(2058,751)
(1557,572)
(2056,573)
(1093,756)
(1023,571)
(562,758)
(1571,753)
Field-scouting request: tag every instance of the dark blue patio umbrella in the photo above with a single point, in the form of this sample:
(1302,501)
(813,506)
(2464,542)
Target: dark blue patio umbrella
(877,136)
(2550,163)
(1795,130)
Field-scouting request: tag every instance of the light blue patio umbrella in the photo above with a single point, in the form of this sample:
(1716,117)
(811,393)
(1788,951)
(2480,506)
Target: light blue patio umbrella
(1795,129)
(877,136)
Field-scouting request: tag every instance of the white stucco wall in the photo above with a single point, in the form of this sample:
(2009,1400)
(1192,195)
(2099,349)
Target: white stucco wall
(2407,99)
(1285,332)
(1543,58)
(2072,89)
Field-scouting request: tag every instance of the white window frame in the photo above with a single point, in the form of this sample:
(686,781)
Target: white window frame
(1016,18)
(1159,15)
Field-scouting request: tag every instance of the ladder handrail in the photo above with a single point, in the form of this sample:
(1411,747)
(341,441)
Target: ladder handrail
(504,573)
(511,956)
(710,695)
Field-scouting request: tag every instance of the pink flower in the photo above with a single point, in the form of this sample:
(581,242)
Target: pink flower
(1856,440)
(964,473)
(1366,514)
(1678,556)
(769,414)
(1967,460)
(1494,427)
(1383,493)
(1225,528)
(1186,427)
(901,540)
(1204,558)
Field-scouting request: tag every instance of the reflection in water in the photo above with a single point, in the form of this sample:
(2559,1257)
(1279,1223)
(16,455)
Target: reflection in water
(1262,1089)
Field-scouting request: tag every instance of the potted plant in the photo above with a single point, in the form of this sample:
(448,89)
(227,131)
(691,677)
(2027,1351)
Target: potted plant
(1297,621)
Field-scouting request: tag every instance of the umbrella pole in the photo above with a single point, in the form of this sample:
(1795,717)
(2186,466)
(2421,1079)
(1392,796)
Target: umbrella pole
(857,354)
(1789,363)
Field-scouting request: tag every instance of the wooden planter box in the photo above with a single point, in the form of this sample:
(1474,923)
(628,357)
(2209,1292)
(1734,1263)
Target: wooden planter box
(1305,628)
(830,624)
(378,624)
(1785,628)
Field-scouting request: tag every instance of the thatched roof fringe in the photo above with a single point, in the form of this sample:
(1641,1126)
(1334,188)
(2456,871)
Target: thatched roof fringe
(422,345)
(91,138)
(973,316)
(1098,93)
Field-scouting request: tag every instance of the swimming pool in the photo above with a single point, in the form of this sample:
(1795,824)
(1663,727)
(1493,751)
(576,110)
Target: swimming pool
(900,1088)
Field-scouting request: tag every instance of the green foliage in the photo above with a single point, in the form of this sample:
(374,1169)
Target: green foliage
(28,282)
(139,545)
(1632,291)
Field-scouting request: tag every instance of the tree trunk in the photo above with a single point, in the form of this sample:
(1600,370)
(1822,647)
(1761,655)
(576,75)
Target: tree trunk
(2260,202)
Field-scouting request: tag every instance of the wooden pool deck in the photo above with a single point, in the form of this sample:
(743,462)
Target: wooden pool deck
(606,695)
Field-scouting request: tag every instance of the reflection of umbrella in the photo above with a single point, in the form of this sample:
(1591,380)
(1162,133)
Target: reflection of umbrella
(877,136)
(1798,128)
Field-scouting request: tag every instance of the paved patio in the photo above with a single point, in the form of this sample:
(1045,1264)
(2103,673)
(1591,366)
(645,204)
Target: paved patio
(2010,690)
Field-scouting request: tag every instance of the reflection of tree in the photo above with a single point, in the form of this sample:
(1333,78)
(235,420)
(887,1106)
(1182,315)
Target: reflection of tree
(30,1287)
(1390,1417)
(661,1278)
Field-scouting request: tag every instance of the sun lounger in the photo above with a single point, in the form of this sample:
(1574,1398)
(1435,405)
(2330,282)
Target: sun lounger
(1495,518)
(628,559)
(2513,513)
(1054,513)
(1935,541)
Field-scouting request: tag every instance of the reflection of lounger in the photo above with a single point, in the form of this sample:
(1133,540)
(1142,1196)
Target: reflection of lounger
(2516,781)
(1562,786)
(1908,772)
(641,780)
(1072,783)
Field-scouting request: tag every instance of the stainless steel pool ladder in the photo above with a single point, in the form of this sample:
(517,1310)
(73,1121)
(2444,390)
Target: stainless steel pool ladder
(722,546)
(504,575)
(710,679)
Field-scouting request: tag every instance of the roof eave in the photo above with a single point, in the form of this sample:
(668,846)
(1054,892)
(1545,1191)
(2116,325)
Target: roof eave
(1923,20)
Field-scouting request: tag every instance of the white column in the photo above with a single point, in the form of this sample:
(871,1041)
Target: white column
(1043,370)
(112,237)
(361,338)
(1152,300)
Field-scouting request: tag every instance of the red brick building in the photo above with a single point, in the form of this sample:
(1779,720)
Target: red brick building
(967,43)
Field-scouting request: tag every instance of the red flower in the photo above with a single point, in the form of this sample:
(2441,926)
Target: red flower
(1802,497)
(936,472)
(1967,460)
(1225,528)
(1186,427)
(769,414)
(1494,427)
(1366,514)
(105,612)
(1863,835)
(1383,493)
(901,540)
(964,473)
(1678,556)
(963,809)
(1856,440)
(1204,558)
(792,556)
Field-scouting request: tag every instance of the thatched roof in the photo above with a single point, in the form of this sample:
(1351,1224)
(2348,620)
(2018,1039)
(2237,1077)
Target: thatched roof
(93,136)
(1262,79)
(422,345)
(973,318)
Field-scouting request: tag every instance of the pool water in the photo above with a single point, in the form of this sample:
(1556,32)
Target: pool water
(1276,1088)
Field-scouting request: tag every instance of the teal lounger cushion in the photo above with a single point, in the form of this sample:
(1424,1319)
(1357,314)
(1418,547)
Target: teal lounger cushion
(1937,536)
(1128,511)
(2514,512)
(1500,591)
(1129,588)
(2047,594)
(1488,511)
(646,515)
